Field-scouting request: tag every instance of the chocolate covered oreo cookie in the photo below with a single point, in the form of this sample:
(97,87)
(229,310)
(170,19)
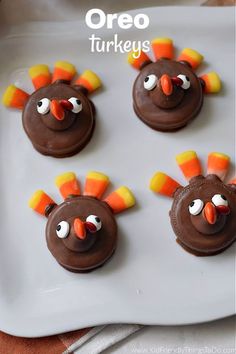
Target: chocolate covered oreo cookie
(167,94)
(81,232)
(203,213)
(58,117)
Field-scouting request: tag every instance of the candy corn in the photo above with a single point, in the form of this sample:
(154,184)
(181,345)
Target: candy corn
(40,201)
(218,164)
(191,56)
(96,183)
(212,82)
(67,184)
(163,48)
(189,164)
(163,184)
(40,75)
(139,62)
(63,71)
(89,80)
(120,200)
(14,97)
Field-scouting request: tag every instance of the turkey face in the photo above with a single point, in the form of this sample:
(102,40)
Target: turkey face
(167,94)
(81,232)
(203,214)
(58,119)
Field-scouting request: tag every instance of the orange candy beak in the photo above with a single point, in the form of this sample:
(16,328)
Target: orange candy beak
(79,228)
(57,110)
(210,213)
(166,84)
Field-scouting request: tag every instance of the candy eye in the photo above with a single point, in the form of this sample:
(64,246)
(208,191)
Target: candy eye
(63,229)
(220,199)
(186,82)
(95,221)
(43,106)
(150,82)
(77,104)
(196,207)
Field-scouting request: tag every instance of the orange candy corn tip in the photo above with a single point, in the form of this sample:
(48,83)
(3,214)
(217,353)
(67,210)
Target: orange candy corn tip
(163,184)
(40,201)
(63,70)
(96,183)
(163,48)
(89,80)
(120,200)
(191,56)
(67,184)
(14,97)
(138,61)
(218,164)
(189,164)
(40,75)
(212,82)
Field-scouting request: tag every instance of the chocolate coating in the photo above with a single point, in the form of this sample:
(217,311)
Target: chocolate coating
(162,112)
(57,138)
(193,232)
(78,255)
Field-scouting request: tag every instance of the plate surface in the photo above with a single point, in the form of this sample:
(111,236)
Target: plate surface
(150,279)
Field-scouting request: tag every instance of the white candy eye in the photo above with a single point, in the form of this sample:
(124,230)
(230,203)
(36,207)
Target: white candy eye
(150,82)
(43,106)
(196,207)
(219,199)
(63,229)
(95,220)
(186,82)
(77,104)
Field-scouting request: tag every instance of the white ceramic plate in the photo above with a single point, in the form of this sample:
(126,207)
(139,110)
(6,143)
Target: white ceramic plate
(150,279)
